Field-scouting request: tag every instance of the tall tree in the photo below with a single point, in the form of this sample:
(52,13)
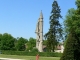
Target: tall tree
(72,22)
(55,31)
(68,23)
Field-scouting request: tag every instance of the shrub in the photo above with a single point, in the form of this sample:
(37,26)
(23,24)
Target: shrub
(45,54)
(34,50)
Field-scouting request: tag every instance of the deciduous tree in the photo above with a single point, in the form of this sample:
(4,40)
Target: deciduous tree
(21,44)
(72,22)
(7,42)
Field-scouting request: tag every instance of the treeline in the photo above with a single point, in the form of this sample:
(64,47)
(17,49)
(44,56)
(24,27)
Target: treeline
(8,42)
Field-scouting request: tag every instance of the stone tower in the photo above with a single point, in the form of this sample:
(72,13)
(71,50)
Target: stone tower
(39,32)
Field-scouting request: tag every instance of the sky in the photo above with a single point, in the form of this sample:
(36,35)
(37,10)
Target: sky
(19,17)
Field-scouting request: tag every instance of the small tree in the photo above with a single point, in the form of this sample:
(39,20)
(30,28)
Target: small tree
(31,43)
(20,45)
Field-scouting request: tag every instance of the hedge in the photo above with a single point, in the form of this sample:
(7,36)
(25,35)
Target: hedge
(46,54)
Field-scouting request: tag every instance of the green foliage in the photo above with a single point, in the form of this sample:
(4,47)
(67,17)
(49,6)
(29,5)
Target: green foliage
(69,49)
(34,50)
(31,43)
(55,32)
(20,45)
(44,42)
(0,40)
(7,42)
(72,24)
(46,54)
(68,21)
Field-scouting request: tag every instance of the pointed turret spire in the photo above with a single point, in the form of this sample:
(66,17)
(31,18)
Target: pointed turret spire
(41,15)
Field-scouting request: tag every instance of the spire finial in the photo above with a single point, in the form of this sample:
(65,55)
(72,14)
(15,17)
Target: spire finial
(54,0)
(41,15)
(41,10)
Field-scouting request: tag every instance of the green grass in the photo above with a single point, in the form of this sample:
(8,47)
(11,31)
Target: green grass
(29,57)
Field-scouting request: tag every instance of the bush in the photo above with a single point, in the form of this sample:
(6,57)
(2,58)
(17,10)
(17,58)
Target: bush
(34,50)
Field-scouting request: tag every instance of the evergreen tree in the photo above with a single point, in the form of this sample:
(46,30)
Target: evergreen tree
(55,31)
(72,48)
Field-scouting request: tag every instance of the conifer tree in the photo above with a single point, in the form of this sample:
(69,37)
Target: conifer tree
(55,30)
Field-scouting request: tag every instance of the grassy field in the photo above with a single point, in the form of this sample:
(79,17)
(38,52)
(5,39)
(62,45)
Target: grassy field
(28,57)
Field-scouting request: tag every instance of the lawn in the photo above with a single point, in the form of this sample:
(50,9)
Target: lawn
(28,57)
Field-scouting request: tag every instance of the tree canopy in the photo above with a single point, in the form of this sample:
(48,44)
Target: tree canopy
(72,24)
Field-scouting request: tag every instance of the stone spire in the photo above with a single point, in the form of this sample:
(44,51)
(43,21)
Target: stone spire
(39,32)
(41,15)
